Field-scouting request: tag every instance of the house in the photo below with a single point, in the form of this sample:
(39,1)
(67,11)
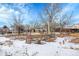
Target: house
(4,30)
(73,28)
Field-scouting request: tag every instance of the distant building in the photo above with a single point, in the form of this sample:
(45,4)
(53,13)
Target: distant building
(4,30)
(76,26)
(73,28)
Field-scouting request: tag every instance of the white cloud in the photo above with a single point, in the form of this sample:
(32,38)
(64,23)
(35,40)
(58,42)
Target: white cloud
(3,14)
(68,8)
(6,14)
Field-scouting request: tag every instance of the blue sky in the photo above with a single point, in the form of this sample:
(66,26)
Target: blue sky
(31,11)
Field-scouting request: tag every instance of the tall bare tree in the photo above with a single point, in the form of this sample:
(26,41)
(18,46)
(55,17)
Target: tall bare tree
(49,15)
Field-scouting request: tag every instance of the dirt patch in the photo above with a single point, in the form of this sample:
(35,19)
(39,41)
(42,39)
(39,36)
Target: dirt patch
(51,40)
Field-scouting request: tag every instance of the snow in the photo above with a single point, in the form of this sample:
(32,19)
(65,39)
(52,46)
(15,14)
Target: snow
(20,48)
(3,39)
(59,39)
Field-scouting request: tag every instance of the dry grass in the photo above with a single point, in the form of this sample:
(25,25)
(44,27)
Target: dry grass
(74,34)
(62,35)
(70,34)
(76,40)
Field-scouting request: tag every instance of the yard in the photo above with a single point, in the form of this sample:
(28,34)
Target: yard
(60,47)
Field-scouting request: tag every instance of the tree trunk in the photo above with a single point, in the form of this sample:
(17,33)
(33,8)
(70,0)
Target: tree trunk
(48,28)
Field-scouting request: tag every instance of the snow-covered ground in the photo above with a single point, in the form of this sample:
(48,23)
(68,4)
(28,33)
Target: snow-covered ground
(10,47)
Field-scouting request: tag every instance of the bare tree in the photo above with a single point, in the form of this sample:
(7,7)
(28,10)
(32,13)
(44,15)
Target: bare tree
(18,22)
(65,20)
(18,19)
(50,15)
